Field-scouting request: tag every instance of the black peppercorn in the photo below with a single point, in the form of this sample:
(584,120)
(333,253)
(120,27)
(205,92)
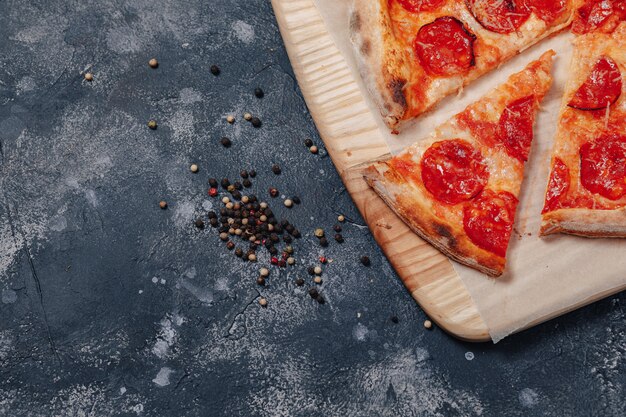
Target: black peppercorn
(252,173)
(395,319)
(308,143)
(236,195)
(337,228)
(247,183)
(256,122)
(258,93)
(339,238)
(225,142)
(212,182)
(320,299)
(199,223)
(212,215)
(276,169)
(287,239)
(299,282)
(273,192)
(311,270)
(244,174)
(295,199)
(323,242)
(296,233)
(260,281)
(365,260)
(225,183)
(230,245)
(313,292)
(273,250)
(215,70)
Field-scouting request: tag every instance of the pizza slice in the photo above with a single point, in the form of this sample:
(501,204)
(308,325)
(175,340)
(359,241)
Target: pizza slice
(459,188)
(586,192)
(413,53)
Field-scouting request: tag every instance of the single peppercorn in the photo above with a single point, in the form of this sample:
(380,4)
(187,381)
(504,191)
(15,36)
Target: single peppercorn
(88,76)
(337,228)
(276,169)
(252,173)
(260,281)
(199,223)
(317,270)
(311,270)
(320,299)
(215,70)
(395,319)
(163,204)
(153,63)
(256,122)
(247,116)
(319,233)
(258,93)
(428,324)
(313,292)
(317,280)
(152,124)
(273,192)
(194,168)
(263,302)
(213,183)
(225,142)
(365,260)
(308,143)
(243,174)
(324,242)
(225,182)
(288,203)
(299,282)
(313,149)
(341,218)
(239,252)
(295,199)
(339,238)
(230,245)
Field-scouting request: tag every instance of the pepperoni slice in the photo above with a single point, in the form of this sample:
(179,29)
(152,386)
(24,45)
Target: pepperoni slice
(546,10)
(488,220)
(557,186)
(453,171)
(595,13)
(444,47)
(415,6)
(603,166)
(602,87)
(500,16)
(515,128)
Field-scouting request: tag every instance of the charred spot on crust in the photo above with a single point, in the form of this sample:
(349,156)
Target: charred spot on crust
(444,232)
(355,22)
(397,94)
(366,47)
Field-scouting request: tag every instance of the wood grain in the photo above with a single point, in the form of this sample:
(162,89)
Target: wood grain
(353,140)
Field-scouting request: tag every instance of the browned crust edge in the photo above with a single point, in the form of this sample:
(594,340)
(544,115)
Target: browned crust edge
(428,227)
(585,222)
(379,60)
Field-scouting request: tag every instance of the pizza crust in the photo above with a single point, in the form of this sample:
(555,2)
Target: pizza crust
(378,59)
(585,222)
(413,210)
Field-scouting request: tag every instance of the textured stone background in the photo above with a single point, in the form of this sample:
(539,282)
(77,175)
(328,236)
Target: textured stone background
(111,306)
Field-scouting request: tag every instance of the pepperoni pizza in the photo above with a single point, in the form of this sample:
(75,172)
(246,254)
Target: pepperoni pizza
(586,192)
(413,53)
(459,188)
(599,16)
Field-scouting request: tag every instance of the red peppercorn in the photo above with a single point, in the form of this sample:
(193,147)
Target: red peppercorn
(213,192)
(274,260)
(282,263)
(323,259)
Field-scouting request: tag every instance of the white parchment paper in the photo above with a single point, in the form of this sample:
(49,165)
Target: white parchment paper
(544,275)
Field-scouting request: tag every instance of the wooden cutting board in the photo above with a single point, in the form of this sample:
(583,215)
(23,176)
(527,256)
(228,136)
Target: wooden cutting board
(353,140)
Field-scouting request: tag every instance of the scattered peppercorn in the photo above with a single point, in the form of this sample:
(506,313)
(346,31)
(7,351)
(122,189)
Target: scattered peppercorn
(215,70)
(341,218)
(213,182)
(428,324)
(264,272)
(288,203)
(337,228)
(230,119)
(239,252)
(230,245)
(243,174)
(365,260)
(258,93)
(299,282)
(224,236)
(313,149)
(339,238)
(88,76)
(317,270)
(225,142)
(319,233)
(199,223)
(260,281)
(273,192)
(247,116)
(152,124)
(308,143)
(225,182)
(320,299)
(153,63)
(317,280)
(291,260)
(252,173)
(163,204)
(256,122)
(213,192)
(276,169)
(395,319)
(194,168)
(263,302)
(295,199)
(324,242)
(313,292)
(252,257)
(311,270)
(247,183)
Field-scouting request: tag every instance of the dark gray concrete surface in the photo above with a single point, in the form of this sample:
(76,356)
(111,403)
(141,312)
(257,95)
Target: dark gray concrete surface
(113,307)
